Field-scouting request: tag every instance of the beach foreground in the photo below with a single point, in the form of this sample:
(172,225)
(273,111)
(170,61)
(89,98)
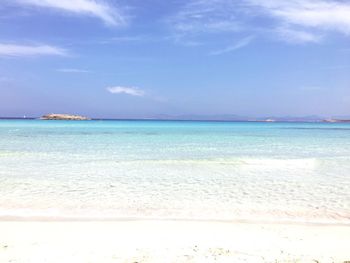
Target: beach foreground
(171,241)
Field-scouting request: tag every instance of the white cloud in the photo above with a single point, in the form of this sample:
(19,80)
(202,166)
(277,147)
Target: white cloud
(72,70)
(133,91)
(240,44)
(96,8)
(320,14)
(294,21)
(14,50)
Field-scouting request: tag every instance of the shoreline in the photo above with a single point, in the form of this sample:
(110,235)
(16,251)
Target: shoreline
(170,241)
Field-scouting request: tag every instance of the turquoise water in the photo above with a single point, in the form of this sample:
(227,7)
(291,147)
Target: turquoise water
(297,172)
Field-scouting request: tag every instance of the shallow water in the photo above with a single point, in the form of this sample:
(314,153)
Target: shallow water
(297,172)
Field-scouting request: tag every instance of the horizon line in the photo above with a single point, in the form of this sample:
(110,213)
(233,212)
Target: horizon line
(262,119)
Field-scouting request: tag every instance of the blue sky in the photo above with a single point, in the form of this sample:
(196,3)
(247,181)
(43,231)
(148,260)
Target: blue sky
(130,59)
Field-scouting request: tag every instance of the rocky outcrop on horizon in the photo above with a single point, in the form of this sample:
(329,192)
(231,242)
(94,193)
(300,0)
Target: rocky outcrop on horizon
(57,116)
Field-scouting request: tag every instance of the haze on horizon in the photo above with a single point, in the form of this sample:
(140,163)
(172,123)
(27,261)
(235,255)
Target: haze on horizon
(129,59)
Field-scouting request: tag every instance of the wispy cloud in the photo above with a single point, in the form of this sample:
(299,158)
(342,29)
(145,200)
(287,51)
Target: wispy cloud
(133,91)
(305,21)
(203,16)
(103,10)
(16,50)
(73,70)
(298,36)
(240,44)
(320,14)
(294,21)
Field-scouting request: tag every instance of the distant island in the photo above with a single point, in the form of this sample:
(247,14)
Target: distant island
(336,121)
(56,116)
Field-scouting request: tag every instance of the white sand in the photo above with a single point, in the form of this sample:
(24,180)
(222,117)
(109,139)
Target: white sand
(171,241)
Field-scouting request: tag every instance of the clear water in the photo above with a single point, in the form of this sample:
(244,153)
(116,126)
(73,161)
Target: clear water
(175,170)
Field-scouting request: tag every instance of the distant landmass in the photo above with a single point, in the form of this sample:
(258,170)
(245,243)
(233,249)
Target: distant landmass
(336,120)
(56,116)
(189,117)
(227,117)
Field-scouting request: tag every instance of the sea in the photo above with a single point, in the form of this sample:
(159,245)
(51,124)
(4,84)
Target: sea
(175,170)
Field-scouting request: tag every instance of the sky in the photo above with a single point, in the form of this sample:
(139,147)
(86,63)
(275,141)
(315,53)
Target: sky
(142,59)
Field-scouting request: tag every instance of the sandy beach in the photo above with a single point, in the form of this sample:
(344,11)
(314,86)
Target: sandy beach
(171,241)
